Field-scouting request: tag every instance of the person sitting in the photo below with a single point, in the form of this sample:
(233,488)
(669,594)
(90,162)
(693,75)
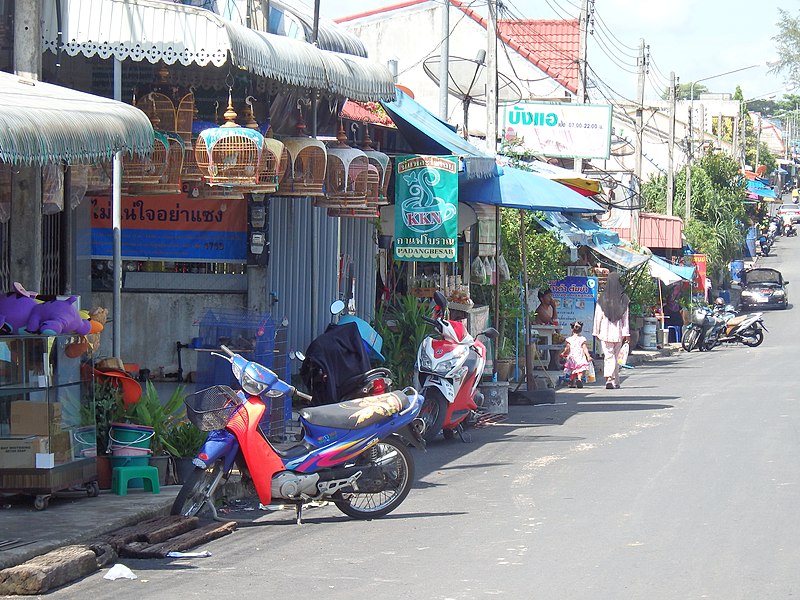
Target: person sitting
(546,313)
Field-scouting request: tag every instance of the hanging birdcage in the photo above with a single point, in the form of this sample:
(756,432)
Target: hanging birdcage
(274,163)
(370,209)
(160,109)
(383,165)
(230,155)
(170,183)
(138,170)
(305,173)
(346,181)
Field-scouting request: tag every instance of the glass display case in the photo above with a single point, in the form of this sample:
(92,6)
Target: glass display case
(47,417)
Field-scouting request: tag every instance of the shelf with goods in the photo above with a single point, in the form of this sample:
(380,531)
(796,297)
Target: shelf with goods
(47,418)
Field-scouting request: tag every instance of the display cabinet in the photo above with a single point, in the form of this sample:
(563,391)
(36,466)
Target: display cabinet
(47,417)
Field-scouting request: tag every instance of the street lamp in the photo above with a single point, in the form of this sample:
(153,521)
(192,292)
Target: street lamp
(688,214)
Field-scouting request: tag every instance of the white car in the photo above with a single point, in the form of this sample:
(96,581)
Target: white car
(790,209)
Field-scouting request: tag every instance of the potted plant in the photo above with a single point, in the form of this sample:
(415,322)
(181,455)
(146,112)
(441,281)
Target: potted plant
(505,359)
(185,440)
(161,417)
(108,409)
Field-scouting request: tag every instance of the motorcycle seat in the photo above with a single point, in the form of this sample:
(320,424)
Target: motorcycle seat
(355,414)
(735,321)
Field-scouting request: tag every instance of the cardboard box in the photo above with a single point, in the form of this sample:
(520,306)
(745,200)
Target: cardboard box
(61,446)
(35,418)
(20,453)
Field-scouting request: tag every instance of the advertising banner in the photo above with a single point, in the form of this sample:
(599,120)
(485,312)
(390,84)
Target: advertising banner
(575,298)
(699,260)
(426,208)
(173,227)
(561,128)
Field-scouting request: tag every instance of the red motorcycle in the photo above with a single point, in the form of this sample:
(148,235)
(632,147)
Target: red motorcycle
(447,373)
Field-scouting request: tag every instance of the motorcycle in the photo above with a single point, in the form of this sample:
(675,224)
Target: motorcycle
(354,454)
(747,329)
(765,243)
(719,316)
(447,373)
(701,322)
(789,229)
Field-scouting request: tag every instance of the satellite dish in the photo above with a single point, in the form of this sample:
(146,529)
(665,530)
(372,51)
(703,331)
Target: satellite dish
(467,81)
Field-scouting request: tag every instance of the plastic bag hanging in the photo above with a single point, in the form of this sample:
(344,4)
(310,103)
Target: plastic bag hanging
(488,269)
(478,271)
(78,184)
(502,269)
(52,189)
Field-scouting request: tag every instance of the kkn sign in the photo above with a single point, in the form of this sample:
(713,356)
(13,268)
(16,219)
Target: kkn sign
(560,129)
(426,208)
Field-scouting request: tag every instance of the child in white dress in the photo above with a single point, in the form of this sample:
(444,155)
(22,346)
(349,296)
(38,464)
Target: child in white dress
(576,353)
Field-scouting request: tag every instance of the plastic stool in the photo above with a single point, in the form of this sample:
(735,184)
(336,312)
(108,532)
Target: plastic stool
(120,476)
(678,330)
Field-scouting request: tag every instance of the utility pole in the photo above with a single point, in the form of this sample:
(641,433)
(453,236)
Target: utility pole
(583,32)
(758,144)
(690,151)
(444,62)
(639,142)
(671,146)
(491,79)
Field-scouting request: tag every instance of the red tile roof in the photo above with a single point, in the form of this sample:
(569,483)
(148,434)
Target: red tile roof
(550,45)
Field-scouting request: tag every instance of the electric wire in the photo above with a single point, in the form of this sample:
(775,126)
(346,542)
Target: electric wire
(601,23)
(526,26)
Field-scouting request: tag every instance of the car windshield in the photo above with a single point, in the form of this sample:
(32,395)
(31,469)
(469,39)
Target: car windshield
(762,276)
(789,207)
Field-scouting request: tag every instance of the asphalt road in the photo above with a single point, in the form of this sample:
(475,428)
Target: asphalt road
(682,484)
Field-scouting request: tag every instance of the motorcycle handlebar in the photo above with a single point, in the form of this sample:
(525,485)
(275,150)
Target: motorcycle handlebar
(227,350)
(430,321)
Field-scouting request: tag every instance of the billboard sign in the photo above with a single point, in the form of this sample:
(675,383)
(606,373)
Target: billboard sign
(560,128)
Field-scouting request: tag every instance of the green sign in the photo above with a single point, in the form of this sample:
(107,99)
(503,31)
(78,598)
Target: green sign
(426,208)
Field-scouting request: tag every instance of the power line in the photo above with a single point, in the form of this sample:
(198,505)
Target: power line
(602,23)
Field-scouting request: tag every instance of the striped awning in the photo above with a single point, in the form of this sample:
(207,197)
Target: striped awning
(175,33)
(41,123)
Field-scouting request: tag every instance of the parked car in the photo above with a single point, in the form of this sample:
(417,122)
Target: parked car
(790,209)
(764,288)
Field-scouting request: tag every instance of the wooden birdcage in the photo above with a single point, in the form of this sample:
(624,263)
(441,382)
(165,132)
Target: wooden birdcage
(274,162)
(346,180)
(305,173)
(370,209)
(184,117)
(138,170)
(160,109)
(230,155)
(383,165)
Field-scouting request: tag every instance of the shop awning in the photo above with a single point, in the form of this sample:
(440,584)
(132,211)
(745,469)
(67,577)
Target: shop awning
(669,273)
(625,257)
(167,32)
(757,187)
(582,185)
(41,123)
(515,188)
(427,134)
(574,231)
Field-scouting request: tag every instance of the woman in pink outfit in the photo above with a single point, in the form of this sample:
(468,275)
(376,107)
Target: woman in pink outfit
(611,326)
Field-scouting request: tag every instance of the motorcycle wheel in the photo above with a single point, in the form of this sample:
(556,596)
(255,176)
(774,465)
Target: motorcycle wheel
(753,339)
(397,465)
(689,340)
(433,413)
(197,490)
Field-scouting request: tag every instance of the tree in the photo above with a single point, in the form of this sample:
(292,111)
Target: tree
(684,90)
(787,45)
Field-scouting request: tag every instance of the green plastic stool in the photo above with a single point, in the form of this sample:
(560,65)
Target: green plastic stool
(120,476)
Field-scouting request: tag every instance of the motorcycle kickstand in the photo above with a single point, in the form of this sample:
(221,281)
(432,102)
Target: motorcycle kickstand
(465,436)
(299,512)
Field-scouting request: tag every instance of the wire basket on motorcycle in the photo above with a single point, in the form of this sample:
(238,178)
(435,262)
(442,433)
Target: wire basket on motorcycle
(211,409)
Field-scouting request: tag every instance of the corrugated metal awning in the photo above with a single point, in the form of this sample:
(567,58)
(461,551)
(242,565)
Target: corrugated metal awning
(41,123)
(167,32)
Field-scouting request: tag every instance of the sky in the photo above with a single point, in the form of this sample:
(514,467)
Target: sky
(697,39)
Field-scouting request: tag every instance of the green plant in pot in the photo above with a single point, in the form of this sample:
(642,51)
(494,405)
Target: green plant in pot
(185,440)
(108,409)
(162,417)
(505,358)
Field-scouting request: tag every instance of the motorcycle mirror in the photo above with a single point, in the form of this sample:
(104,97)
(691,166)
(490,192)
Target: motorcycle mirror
(440,300)
(337,307)
(296,354)
(492,333)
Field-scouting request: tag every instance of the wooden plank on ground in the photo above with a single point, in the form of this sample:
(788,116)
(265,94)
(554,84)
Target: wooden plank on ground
(180,543)
(48,571)
(153,530)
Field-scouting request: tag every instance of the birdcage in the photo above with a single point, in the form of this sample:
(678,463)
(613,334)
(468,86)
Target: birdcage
(170,183)
(274,162)
(305,173)
(138,170)
(184,117)
(370,209)
(160,109)
(346,176)
(383,164)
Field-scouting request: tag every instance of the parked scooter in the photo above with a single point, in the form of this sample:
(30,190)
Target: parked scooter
(447,373)
(748,329)
(765,244)
(789,229)
(354,453)
(701,322)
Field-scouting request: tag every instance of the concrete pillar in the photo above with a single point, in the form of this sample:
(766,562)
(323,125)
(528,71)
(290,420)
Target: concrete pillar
(26,186)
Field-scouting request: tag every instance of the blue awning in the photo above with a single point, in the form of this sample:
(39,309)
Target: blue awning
(760,189)
(669,273)
(427,134)
(574,231)
(516,188)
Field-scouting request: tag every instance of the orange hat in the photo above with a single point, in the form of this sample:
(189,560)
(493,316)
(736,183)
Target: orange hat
(131,390)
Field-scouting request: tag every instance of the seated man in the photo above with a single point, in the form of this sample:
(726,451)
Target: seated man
(546,312)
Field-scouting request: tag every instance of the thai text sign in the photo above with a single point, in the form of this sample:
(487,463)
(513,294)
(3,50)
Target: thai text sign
(426,208)
(173,227)
(699,260)
(560,129)
(575,298)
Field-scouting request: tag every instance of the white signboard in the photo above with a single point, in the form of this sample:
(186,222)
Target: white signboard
(560,128)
